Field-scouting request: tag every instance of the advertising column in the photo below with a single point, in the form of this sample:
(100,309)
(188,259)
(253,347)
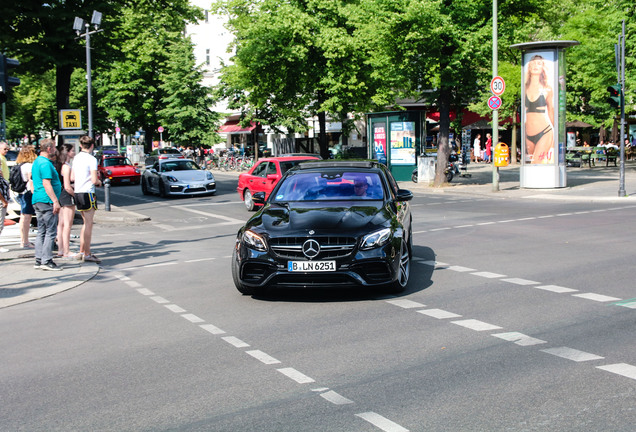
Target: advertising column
(543,114)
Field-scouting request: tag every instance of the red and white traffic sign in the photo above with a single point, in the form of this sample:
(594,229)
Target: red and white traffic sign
(160,129)
(497,86)
(494,102)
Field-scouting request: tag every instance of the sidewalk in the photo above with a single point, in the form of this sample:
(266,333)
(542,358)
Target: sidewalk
(20,282)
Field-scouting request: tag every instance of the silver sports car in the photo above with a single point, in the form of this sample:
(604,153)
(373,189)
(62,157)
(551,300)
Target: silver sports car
(177,177)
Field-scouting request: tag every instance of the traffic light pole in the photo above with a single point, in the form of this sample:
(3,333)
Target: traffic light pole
(621,40)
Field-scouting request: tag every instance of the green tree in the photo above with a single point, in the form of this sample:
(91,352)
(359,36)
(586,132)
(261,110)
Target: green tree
(186,115)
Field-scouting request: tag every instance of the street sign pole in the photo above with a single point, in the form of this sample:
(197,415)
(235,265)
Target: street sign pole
(495,113)
(621,185)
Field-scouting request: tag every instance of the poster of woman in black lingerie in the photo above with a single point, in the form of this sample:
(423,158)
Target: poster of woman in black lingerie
(539,121)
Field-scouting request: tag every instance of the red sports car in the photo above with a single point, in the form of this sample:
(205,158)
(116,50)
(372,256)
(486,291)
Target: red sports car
(264,175)
(118,169)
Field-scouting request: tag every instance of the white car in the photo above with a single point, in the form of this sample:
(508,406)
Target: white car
(174,177)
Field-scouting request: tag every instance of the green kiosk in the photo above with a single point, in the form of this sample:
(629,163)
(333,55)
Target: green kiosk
(396,139)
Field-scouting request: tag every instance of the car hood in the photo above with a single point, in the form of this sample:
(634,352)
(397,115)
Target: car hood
(122,169)
(324,218)
(188,176)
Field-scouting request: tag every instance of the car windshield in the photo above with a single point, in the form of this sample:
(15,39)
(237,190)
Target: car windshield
(286,165)
(179,165)
(116,161)
(331,186)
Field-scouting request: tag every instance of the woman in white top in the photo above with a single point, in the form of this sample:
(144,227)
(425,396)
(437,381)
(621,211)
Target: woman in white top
(26,157)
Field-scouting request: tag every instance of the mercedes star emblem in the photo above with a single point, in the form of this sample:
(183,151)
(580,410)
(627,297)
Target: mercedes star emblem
(311,248)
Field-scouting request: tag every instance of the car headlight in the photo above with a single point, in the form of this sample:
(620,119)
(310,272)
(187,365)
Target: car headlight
(137,170)
(254,241)
(209,175)
(109,172)
(172,179)
(376,239)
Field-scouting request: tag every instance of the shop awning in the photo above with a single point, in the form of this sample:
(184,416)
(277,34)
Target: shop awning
(233,127)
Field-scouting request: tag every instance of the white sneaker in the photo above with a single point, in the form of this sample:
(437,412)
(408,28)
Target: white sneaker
(3,250)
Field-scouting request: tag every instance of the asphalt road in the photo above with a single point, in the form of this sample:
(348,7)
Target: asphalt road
(516,318)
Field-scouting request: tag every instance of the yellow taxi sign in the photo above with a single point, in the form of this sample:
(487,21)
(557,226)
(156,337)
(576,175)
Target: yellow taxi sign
(70,119)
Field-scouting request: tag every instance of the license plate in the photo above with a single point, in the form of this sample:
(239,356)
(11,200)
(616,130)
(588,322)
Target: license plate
(125,180)
(196,186)
(311,266)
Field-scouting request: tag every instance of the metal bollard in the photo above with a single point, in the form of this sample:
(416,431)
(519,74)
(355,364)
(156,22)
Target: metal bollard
(107,194)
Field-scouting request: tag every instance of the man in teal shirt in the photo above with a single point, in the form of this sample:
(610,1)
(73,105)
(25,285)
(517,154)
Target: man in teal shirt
(46,193)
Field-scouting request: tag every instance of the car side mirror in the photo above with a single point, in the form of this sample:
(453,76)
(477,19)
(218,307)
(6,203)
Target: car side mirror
(152,170)
(272,177)
(404,195)
(258,197)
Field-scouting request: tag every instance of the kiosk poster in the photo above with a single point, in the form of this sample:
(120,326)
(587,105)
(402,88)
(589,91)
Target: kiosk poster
(540,92)
(379,143)
(403,143)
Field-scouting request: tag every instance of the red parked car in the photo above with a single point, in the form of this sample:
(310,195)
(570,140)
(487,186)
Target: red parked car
(264,175)
(118,169)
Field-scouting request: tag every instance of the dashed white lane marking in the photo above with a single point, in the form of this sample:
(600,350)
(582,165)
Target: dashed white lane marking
(132,284)
(193,318)
(486,223)
(439,229)
(235,342)
(335,398)
(476,325)
(488,275)
(406,304)
(210,328)
(161,264)
(623,369)
(555,288)
(174,308)
(630,303)
(596,297)
(145,291)
(572,354)
(199,260)
(519,281)
(433,263)
(159,300)
(519,338)
(262,357)
(292,373)
(381,422)
(212,215)
(460,269)
(438,313)
(122,277)
(463,226)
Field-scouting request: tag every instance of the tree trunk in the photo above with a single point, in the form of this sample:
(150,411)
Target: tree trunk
(443,149)
(322,140)
(63,86)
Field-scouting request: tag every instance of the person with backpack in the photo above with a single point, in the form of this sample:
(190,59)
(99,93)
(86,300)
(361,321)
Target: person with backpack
(4,189)
(24,190)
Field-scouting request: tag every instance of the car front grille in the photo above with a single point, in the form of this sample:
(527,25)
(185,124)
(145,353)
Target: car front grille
(330,247)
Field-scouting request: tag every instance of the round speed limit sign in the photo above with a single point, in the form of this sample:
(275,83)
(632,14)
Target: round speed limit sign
(497,86)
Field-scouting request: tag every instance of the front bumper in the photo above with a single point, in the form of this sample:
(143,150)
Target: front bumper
(204,188)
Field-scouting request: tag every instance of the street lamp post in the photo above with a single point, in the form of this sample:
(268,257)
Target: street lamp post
(78,25)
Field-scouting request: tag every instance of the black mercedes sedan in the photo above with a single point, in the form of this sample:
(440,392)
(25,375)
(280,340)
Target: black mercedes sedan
(327,224)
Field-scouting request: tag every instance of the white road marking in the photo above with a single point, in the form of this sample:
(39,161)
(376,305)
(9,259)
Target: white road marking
(460,268)
(623,369)
(488,275)
(122,277)
(572,354)
(485,223)
(555,288)
(292,373)
(381,422)
(132,283)
(433,263)
(464,226)
(519,338)
(405,304)
(145,291)
(596,297)
(200,259)
(159,299)
(507,220)
(335,398)
(235,342)
(320,389)
(212,329)
(527,218)
(193,318)
(174,308)
(161,264)
(438,313)
(544,217)
(262,357)
(628,304)
(212,215)
(518,281)
(476,325)
(439,229)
